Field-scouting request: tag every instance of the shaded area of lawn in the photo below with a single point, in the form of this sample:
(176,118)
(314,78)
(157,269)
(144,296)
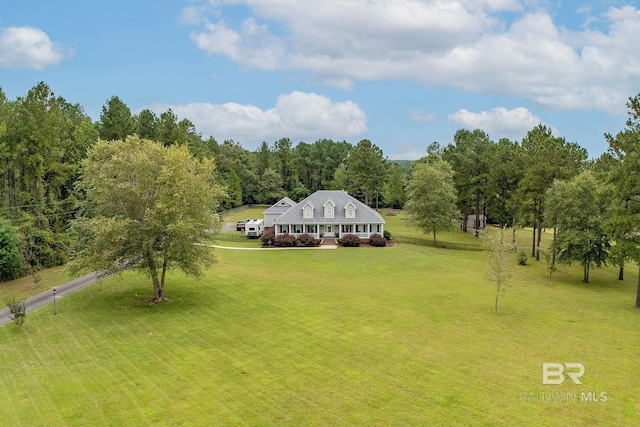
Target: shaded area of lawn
(405,335)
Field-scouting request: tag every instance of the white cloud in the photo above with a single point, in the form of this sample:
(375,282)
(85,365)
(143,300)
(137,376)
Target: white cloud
(28,47)
(297,115)
(422,117)
(466,44)
(499,122)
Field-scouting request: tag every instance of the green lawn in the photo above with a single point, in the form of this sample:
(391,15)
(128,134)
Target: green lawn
(26,286)
(399,225)
(354,336)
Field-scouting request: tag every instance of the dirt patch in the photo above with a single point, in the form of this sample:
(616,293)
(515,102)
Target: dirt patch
(229,226)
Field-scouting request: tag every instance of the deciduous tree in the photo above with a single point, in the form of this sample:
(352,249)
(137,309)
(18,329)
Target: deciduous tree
(431,197)
(147,208)
(579,208)
(499,256)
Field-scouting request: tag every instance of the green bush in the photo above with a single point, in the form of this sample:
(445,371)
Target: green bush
(522,258)
(307,240)
(387,234)
(284,241)
(377,240)
(18,310)
(349,240)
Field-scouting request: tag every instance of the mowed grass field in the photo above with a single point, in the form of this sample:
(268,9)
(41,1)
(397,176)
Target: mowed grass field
(353,336)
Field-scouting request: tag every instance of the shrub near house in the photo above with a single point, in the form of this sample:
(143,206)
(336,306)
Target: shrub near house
(377,240)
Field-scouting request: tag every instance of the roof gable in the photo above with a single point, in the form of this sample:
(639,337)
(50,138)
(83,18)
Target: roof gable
(281,206)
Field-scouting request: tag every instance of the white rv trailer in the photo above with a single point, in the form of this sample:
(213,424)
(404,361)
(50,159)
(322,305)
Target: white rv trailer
(253,229)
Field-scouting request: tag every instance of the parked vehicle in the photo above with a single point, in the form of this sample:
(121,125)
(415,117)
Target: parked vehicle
(254,228)
(241,224)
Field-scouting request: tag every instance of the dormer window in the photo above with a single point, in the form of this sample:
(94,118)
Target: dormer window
(307,211)
(328,209)
(350,211)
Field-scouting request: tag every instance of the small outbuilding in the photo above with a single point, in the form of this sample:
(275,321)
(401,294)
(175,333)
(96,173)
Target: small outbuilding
(276,210)
(471,222)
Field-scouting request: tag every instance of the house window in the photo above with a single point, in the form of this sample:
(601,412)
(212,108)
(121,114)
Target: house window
(307,212)
(351,211)
(311,228)
(297,228)
(328,210)
(378,228)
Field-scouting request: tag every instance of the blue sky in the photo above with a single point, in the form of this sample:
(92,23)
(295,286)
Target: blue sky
(402,73)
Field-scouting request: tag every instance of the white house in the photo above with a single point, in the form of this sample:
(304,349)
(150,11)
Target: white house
(329,213)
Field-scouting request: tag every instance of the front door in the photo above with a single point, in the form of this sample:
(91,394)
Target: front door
(327,230)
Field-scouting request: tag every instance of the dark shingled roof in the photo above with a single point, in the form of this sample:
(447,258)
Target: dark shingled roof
(340,198)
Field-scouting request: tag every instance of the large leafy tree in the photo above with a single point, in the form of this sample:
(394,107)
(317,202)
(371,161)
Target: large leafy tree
(624,223)
(580,208)
(431,197)
(147,208)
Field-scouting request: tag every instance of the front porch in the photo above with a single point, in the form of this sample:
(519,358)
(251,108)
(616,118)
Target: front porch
(319,231)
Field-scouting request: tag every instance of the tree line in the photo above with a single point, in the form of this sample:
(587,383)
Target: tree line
(44,139)
(592,206)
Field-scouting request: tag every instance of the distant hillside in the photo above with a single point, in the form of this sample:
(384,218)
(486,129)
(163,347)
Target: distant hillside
(406,164)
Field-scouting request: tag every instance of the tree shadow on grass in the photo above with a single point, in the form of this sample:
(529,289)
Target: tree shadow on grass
(122,299)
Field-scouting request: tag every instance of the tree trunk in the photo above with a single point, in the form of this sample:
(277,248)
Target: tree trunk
(539,238)
(638,290)
(158,289)
(477,222)
(497,296)
(163,275)
(434,238)
(533,245)
(553,247)
(585,278)
(621,271)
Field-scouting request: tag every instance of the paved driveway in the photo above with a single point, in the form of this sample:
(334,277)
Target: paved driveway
(46,297)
